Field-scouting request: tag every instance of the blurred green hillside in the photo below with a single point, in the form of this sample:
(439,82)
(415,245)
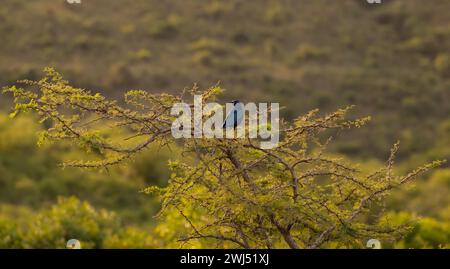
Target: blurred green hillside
(391,60)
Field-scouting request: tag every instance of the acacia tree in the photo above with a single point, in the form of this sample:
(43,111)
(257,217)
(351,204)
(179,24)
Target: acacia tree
(229,191)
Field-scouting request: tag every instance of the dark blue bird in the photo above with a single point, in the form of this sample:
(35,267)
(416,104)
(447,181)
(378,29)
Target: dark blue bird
(234,118)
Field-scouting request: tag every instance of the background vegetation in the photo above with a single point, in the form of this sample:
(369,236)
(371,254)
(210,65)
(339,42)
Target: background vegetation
(391,60)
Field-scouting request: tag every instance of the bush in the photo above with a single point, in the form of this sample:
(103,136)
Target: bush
(442,64)
(236,192)
(307,52)
(276,13)
(167,28)
(71,218)
(425,233)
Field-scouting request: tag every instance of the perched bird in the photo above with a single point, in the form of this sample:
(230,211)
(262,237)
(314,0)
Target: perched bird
(234,118)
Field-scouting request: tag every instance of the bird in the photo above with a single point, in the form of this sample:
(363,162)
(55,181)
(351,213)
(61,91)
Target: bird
(235,117)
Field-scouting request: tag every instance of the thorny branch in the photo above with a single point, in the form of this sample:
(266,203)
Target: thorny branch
(295,195)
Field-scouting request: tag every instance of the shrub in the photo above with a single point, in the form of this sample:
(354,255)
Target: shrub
(71,218)
(442,64)
(167,28)
(233,192)
(306,52)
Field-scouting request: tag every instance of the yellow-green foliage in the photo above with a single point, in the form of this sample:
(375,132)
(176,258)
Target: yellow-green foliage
(230,192)
(30,175)
(425,232)
(68,219)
